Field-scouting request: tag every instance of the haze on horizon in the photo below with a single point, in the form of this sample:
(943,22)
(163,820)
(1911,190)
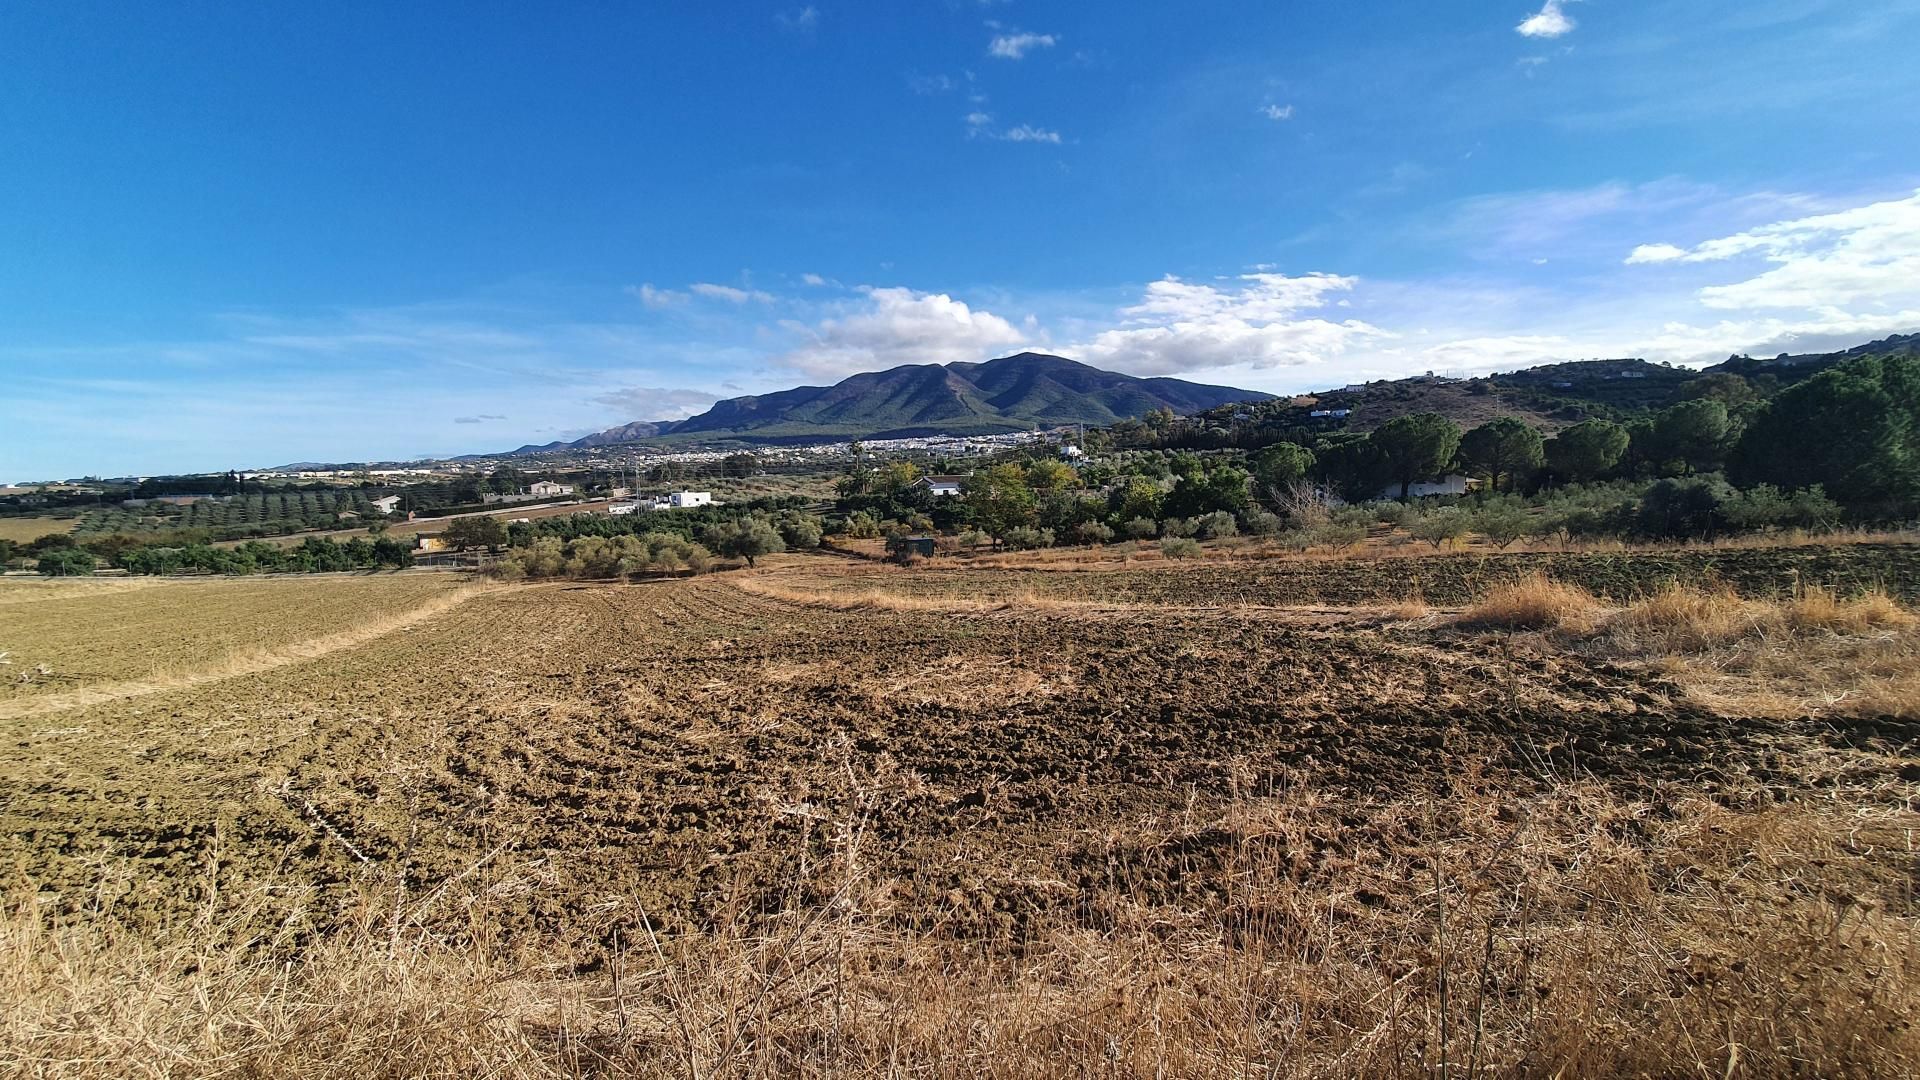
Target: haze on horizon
(241,235)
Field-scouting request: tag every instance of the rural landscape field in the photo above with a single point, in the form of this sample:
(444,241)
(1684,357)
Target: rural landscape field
(837,817)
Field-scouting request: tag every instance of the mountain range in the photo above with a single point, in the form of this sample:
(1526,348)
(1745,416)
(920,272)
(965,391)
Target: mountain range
(1012,393)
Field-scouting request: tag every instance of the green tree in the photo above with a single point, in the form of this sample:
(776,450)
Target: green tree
(1501,448)
(1587,450)
(1693,434)
(65,562)
(739,466)
(1725,387)
(1282,464)
(1048,475)
(745,538)
(1415,447)
(998,499)
(1853,429)
(482,530)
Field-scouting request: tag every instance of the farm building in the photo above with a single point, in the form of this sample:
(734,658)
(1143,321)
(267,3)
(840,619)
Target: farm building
(1452,484)
(387,504)
(547,489)
(910,547)
(942,486)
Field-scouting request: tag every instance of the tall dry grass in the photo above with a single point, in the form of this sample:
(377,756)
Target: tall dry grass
(1817,652)
(1573,933)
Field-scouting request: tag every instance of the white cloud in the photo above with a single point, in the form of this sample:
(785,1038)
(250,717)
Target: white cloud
(655,403)
(656,298)
(814,280)
(899,326)
(1028,133)
(1180,327)
(978,123)
(802,20)
(728,293)
(1277,112)
(1829,262)
(1017,46)
(1549,22)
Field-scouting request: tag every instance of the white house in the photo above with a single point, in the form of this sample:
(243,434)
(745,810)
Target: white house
(547,489)
(680,500)
(1452,484)
(623,509)
(387,505)
(943,486)
(1071,452)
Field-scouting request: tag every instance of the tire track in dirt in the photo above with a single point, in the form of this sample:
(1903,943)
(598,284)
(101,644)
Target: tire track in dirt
(235,667)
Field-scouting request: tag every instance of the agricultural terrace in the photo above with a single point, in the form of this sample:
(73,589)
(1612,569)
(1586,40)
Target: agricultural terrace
(1576,815)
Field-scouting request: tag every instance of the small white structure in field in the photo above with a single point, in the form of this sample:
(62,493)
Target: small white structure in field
(681,500)
(1071,453)
(623,509)
(943,486)
(387,505)
(1453,484)
(547,489)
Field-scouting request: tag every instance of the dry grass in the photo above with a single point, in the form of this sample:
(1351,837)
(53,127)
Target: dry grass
(1817,653)
(25,530)
(1533,603)
(177,675)
(1571,933)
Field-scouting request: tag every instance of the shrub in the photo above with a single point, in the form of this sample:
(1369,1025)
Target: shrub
(1175,528)
(1140,529)
(1179,547)
(65,562)
(1502,524)
(1092,532)
(1337,536)
(1024,537)
(1257,522)
(971,538)
(1215,526)
(1441,527)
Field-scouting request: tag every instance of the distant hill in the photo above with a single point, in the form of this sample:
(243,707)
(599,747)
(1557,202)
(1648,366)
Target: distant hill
(1013,393)
(1551,396)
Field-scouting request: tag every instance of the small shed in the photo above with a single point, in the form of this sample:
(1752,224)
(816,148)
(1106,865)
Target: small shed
(911,547)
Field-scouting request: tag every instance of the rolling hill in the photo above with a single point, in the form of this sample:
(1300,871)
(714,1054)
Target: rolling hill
(1550,396)
(1012,393)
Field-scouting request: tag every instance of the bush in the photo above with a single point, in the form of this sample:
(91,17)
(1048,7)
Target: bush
(861,526)
(1025,537)
(65,562)
(971,538)
(1179,547)
(1257,522)
(1176,528)
(1215,526)
(1140,529)
(1502,524)
(1441,527)
(1336,536)
(1092,532)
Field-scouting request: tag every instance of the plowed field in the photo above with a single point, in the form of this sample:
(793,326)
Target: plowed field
(585,757)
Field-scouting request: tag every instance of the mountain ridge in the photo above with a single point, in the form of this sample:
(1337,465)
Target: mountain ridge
(998,396)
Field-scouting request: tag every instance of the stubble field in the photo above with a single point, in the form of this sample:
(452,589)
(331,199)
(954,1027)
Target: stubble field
(832,819)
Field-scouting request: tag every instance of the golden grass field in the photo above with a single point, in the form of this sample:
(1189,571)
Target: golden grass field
(830,818)
(25,530)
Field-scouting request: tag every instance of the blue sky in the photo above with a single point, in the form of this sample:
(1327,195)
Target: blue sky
(242,234)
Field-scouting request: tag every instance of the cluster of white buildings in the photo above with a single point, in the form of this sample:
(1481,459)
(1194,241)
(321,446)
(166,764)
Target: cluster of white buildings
(679,500)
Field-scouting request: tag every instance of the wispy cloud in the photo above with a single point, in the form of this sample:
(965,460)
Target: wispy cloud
(802,21)
(1017,46)
(729,293)
(1551,21)
(1277,112)
(480,419)
(1029,133)
(656,299)
(655,402)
